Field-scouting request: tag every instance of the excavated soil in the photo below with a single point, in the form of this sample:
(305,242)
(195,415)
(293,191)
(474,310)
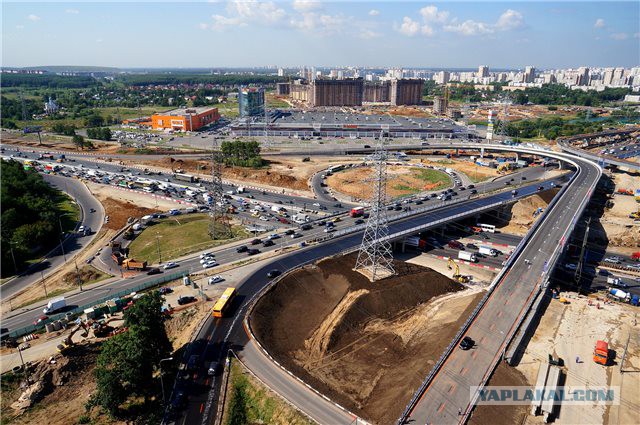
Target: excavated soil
(522,212)
(507,376)
(367,346)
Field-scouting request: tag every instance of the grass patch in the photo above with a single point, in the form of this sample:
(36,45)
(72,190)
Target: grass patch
(250,402)
(432,176)
(177,236)
(405,188)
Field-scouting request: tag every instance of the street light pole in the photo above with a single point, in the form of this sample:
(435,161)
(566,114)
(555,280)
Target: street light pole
(15,266)
(44,285)
(168,359)
(78,274)
(158,247)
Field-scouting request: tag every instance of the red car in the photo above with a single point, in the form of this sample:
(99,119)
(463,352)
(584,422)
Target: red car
(39,320)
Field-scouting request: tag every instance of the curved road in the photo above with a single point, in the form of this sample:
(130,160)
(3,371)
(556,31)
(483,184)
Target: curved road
(73,244)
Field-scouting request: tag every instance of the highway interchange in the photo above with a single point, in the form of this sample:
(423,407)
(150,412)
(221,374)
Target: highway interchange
(447,391)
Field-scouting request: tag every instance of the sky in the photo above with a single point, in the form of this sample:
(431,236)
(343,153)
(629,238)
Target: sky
(451,34)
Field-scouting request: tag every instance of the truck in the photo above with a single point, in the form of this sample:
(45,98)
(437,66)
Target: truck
(467,256)
(55,305)
(185,177)
(241,189)
(616,281)
(357,212)
(485,250)
(415,242)
(300,218)
(635,256)
(601,353)
(133,264)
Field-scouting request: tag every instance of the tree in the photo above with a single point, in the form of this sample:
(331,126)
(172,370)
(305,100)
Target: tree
(94,120)
(78,140)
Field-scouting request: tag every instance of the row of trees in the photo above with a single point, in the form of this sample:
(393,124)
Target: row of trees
(127,364)
(30,212)
(558,94)
(100,133)
(242,154)
(552,128)
(227,80)
(47,80)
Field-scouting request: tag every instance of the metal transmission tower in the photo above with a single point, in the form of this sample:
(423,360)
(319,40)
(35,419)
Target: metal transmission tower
(375,259)
(219,226)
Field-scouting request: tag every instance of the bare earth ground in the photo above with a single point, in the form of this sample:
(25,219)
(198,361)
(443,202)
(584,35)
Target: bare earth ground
(521,218)
(562,331)
(402,181)
(365,345)
(474,171)
(622,234)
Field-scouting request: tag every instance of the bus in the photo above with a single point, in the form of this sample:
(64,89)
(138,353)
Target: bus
(224,302)
(490,228)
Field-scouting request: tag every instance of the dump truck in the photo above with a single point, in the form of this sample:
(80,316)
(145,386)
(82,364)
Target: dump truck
(601,353)
(133,264)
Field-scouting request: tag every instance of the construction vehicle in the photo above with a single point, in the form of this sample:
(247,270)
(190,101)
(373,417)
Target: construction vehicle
(133,264)
(625,192)
(68,341)
(452,265)
(506,166)
(635,256)
(635,215)
(601,353)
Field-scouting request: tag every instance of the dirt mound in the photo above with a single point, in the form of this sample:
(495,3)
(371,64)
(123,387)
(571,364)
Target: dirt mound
(365,345)
(120,211)
(522,212)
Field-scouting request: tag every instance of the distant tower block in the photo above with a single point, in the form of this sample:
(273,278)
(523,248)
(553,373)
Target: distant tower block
(375,259)
(490,126)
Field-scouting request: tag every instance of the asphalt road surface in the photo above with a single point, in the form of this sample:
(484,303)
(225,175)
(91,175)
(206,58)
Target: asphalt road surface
(73,243)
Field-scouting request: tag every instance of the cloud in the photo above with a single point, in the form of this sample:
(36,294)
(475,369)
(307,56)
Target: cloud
(431,14)
(434,19)
(619,36)
(374,12)
(203,26)
(409,27)
(599,23)
(19,27)
(306,5)
(72,11)
(34,18)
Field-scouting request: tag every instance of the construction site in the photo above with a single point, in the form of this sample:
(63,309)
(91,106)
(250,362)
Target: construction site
(364,345)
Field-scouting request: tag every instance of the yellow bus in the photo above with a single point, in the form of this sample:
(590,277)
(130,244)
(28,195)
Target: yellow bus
(224,302)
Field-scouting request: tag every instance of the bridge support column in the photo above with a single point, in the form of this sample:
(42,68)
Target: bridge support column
(481,152)
(457,152)
(560,165)
(517,156)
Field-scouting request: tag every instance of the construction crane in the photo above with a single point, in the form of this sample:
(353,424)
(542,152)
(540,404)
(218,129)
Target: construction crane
(452,265)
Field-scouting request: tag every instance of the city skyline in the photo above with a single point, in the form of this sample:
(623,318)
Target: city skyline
(289,34)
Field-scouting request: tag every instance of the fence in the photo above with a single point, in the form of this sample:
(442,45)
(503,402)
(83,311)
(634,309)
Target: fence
(35,328)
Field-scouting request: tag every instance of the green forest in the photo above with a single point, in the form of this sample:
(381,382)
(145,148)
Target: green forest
(30,210)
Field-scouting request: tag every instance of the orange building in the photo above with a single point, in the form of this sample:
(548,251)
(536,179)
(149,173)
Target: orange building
(185,119)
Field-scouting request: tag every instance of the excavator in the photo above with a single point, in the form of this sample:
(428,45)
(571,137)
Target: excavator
(68,341)
(452,265)
(100,330)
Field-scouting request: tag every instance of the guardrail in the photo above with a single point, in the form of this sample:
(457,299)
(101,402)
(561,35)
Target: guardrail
(35,328)
(512,258)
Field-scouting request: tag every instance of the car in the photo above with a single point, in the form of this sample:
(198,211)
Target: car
(242,248)
(253,251)
(39,320)
(306,226)
(186,299)
(92,210)
(274,236)
(397,208)
(206,260)
(570,266)
(540,188)
(471,186)
(209,264)
(296,235)
(613,260)
(215,279)
(418,202)
(471,246)
(264,218)
(154,270)
(473,191)
(329,229)
(213,368)
(358,221)
(467,343)
(206,254)
(81,229)
(165,290)
(255,242)
(170,265)
(273,273)
(507,183)
(289,232)
(268,242)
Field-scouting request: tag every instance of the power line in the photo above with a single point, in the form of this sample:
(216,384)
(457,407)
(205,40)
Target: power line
(375,259)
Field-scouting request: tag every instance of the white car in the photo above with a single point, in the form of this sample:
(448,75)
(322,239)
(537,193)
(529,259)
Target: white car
(80,229)
(570,266)
(170,265)
(209,264)
(215,279)
(206,254)
(264,218)
(206,260)
(316,204)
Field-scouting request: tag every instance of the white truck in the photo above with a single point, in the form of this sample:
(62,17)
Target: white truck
(485,250)
(616,281)
(467,256)
(55,305)
(301,218)
(240,189)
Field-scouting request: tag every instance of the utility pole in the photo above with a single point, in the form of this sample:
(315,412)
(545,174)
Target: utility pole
(44,285)
(75,261)
(60,239)
(578,274)
(375,258)
(13,257)
(219,226)
(158,247)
